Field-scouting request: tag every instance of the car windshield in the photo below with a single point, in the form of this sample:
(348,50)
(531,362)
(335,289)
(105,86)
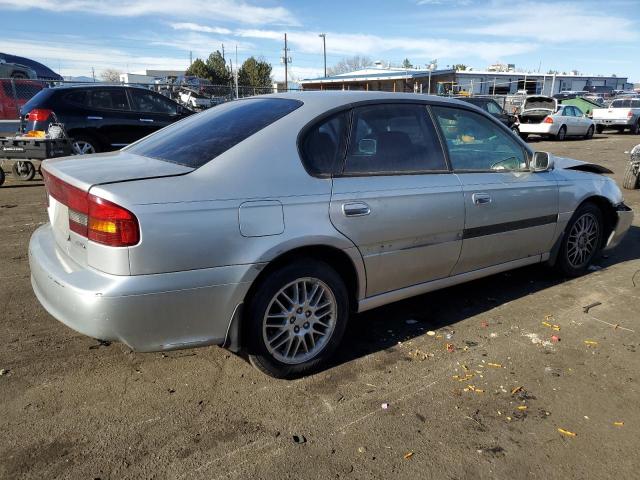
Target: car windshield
(200,138)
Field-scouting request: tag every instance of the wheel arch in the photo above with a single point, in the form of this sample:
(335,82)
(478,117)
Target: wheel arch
(345,264)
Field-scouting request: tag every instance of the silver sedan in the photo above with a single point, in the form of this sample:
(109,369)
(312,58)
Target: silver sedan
(263,223)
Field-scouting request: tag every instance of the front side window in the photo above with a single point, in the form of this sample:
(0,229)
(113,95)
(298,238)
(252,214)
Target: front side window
(393,138)
(149,102)
(323,146)
(475,143)
(200,138)
(107,99)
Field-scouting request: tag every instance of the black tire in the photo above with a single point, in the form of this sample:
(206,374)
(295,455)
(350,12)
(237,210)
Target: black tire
(562,133)
(620,129)
(563,263)
(631,180)
(524,136)
(599,128)
(23,170)
(263,299)
(515,130)
(635,129)
(589,134)
(2,176)
(79,141)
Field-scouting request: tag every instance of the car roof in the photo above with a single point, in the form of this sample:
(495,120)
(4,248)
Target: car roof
(329,99)
(97,85)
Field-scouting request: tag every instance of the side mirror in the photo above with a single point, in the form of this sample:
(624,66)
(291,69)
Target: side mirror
(541,162)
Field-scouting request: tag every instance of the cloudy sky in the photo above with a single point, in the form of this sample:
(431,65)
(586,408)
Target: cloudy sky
(72,36)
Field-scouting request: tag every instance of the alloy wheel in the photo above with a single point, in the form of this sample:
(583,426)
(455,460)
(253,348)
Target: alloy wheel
(582,240)
(82,147)
(299,320)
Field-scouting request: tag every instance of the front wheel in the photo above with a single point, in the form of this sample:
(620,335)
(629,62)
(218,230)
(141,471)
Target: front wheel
(296,319)
(582,241)
(23,170)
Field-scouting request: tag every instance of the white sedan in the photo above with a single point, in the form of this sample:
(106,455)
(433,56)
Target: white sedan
(565,122)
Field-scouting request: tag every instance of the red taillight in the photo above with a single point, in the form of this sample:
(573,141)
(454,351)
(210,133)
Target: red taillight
(548,120)
(630,114)
(39,115)
(93,217)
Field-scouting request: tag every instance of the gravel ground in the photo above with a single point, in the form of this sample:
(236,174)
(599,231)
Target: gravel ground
(492,407)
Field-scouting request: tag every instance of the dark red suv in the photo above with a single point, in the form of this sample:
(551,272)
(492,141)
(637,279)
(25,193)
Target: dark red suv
(14,93)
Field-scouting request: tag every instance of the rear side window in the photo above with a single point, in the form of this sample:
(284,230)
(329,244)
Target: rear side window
(149,102)
(108,99)
(200,138)
(76,97)
(393,138)
(323,146)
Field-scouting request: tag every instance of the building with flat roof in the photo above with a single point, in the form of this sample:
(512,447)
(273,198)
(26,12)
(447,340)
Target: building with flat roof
(449,81)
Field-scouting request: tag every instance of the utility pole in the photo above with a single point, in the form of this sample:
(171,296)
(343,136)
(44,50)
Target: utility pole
(93,74)
(324,51)
(237,69)
(286,59)
(223,51)
(190,58)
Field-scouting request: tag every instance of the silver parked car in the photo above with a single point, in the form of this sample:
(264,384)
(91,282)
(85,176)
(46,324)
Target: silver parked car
(261,224)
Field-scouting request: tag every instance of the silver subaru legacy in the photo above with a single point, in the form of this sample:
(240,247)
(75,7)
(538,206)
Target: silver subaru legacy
(261,224)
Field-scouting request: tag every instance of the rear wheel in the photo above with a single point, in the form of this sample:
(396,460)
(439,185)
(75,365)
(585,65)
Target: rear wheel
(562,133)
(23,170)
(524,136)
(1,176)
(84,145)
(582,240)
(599,128)
(631,179)
(636,128)
(589,134)
(296,319)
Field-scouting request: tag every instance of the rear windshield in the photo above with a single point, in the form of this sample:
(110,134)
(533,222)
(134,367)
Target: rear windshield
(628,103)
(201,138)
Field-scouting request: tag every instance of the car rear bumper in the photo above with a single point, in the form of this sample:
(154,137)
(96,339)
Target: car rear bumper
(146,312)
(625,218)
(614,122)
(539,128)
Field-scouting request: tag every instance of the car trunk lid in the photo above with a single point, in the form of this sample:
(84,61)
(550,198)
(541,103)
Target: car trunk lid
(75,176)
(536,108)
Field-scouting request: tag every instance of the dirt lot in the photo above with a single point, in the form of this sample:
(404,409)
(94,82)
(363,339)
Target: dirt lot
(491,408)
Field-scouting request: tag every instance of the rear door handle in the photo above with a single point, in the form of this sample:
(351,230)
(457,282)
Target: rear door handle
(355,209)
(481,198)
(150,120)
(94,118)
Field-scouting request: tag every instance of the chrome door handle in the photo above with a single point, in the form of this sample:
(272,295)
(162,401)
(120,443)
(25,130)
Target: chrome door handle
(355,209)
(150,120)
(94,118)
(481,198)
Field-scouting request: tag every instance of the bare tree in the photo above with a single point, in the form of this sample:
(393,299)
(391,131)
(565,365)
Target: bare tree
(110,75)
(349,64)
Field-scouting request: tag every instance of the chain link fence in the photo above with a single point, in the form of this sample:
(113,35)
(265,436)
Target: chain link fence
(14,93)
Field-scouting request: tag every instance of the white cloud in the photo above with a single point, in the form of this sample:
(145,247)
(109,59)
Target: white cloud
(80,60)
(222,10)
(552,23)
(194,27)
(347,44)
